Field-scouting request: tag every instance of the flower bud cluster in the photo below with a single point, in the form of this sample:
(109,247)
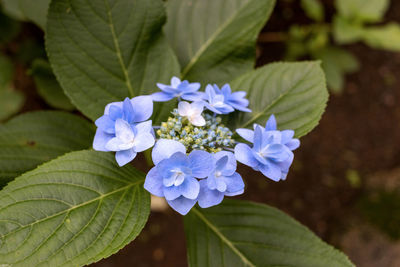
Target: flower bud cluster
(211,137)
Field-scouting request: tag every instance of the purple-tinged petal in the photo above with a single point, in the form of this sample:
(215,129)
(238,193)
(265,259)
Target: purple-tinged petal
(244,154)
(164,148)
(195,96)
(175,81)
(154,182)
(116,104)
(258,139)
(101,139)
(182,204)
(287,135)
(201,162)
(221,163)
(125,156)
(208,198)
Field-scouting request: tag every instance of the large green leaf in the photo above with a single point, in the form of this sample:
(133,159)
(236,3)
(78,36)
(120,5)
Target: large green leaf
(362,10)
(35,11)
(33,138)
(240,233)
(72,211)
(48,87)
(11,101)
(215,40)
(103,51)
(294,92)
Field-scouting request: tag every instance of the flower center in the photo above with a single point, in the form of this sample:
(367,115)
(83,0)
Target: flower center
(212,137)
(179,177)
(218,174)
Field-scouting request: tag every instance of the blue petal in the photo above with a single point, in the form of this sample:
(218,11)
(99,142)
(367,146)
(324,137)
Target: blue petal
(208,198)
(164,148)
(125,156)
(172,192)
(154,183)
(201,162)
(271,124)
(244,154)
(231,165)
(162,96)
(211,108)
(115,112)
(106,124)
(239,106)
(143,107)
(287,135)
(190,188)
(193,87)
(177,161)
(293,144)
(246,134)
(128,111)
(101,139)
(231,194)
(221,163)
(234,183)
(182,204)
(258,139)
(196,96)
(272,171)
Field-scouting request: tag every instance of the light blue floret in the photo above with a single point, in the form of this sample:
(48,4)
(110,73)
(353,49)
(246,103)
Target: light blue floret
(222,181)
(223,101)
(179,89)
(271,153)
(122,128)
(175,173)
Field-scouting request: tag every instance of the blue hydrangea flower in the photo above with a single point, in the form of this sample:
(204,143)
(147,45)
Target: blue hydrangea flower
(222,181)
(132,111)
(271,152)
(130,139)
(175,173)
(271,125)
(223,101)
(179,89)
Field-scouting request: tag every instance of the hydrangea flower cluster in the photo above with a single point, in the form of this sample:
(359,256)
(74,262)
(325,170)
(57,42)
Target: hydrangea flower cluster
(194,154)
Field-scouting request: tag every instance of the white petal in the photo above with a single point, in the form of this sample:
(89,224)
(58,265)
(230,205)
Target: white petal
(184,108)
(197,120)
(123,131)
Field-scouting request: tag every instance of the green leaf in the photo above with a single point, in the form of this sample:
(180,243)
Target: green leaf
(215,40)
(72,211)
(362,10)
(336,62)
(294,92)
(11,101)
(314,9)
(241,233)
(48,87)
(103,51)
(346,32)
(35,11)
(385,37)
(33,138)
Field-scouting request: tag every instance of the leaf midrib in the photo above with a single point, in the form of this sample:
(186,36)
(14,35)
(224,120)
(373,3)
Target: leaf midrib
(205,46)
(75,207)
(118,50)
(223,238)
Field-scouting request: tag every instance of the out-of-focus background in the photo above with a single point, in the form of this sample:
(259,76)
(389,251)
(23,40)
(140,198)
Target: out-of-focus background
(344,183)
